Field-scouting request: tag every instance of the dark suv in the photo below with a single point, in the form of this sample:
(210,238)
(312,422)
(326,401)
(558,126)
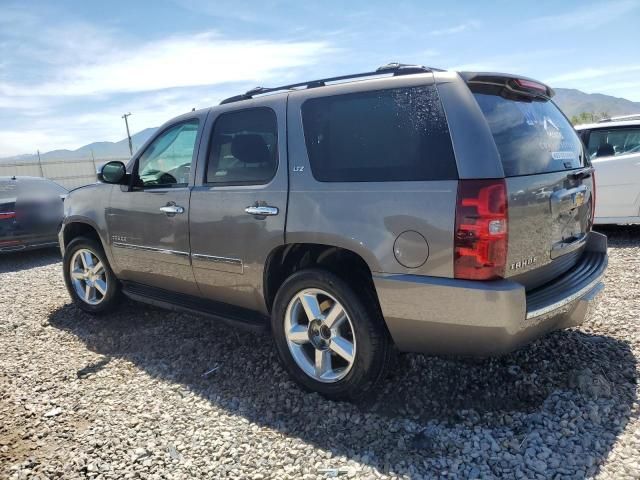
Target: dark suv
(407,209)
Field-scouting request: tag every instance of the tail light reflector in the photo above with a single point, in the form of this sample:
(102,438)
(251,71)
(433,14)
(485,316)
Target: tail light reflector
(480,244)
(7,215)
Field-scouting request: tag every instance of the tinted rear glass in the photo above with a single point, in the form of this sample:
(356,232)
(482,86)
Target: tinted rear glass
(384,135)
(531,134)
(8,190)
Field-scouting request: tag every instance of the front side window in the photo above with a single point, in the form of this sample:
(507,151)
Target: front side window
(244,147)
(167,161)
(614,142)
(385,135)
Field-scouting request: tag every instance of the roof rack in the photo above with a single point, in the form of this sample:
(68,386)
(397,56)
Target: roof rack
(395,69)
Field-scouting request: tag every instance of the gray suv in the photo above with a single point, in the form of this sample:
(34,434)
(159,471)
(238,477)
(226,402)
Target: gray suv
(406,209)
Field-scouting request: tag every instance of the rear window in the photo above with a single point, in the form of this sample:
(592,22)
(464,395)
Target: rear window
(531,134)
(379,136)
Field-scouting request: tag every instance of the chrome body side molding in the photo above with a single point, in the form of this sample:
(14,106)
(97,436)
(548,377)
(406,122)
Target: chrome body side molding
(131,246)
(215,259)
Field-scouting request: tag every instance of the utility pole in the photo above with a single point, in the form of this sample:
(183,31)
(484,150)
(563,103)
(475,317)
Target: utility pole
(40,164)
(95,169)
(126,122)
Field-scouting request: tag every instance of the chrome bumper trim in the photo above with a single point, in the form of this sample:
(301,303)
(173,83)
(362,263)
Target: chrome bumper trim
(565,301)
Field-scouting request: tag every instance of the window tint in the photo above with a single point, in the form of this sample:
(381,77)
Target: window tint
(619,141)
(532,135)
(385,135)
(167,161)
(8,190)
(244,147)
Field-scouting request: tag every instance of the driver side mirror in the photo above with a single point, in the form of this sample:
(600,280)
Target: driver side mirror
(113,172)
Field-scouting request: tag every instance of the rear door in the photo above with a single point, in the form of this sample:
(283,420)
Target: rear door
(615,154)
(548,177)
(239,202)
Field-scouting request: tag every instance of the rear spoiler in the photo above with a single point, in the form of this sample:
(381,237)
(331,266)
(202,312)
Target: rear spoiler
(516,83)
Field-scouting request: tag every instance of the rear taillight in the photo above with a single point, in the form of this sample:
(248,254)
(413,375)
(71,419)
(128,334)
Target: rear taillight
(7,215)
(481,230)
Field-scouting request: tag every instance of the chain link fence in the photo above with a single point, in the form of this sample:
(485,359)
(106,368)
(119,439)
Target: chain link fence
(70,174)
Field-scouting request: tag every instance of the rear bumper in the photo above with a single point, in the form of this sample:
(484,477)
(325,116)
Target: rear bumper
(460,317)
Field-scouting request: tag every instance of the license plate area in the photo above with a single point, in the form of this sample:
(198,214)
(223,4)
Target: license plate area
(570,219)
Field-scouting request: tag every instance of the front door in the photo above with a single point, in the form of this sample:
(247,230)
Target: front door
(615,154)
(238,204)
(149,223)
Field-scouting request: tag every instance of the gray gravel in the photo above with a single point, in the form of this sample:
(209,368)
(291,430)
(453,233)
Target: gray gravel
(147,393)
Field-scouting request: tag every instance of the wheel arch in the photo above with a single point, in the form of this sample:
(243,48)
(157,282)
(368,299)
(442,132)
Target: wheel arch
(287,259)
(83,227)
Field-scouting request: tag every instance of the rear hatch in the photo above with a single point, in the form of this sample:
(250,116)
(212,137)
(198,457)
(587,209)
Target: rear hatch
(549,182)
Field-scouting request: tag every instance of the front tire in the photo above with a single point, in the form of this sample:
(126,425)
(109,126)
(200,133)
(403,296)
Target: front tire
(329,339)
(88,276)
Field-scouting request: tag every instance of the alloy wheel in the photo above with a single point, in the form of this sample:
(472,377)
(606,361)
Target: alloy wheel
(88,276)
(320,335)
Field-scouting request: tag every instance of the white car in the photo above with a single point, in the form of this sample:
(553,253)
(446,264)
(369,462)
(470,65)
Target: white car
(614,148)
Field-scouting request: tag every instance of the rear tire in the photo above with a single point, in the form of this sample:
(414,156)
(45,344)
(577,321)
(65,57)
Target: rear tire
(88,276)
(342,356)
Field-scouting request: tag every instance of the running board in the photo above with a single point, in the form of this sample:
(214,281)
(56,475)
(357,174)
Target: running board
(230,314)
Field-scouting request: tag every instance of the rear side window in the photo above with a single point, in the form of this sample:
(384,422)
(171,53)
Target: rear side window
(531,134)
(244,147)
(379,136)
(613,142)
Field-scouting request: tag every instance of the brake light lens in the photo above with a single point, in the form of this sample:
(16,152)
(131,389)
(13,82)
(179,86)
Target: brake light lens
(530,85)
(7,215)
(480,244)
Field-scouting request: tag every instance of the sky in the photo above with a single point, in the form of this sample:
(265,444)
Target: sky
(70,69)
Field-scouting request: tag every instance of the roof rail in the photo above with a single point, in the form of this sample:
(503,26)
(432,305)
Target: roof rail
(620,118)
(395,69)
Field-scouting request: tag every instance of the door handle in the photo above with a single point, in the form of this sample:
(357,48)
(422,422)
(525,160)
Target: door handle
(261,211)
(172,209)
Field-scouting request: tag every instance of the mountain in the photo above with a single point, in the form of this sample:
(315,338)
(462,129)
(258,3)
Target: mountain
(574,102)
(99,150)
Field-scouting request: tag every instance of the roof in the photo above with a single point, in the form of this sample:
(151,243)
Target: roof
(22,177)
(605,125)
(27,178)
(394,69)
(514,82)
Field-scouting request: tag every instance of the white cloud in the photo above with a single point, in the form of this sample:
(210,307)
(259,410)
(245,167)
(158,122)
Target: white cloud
(15,142)
(592,73)
(89,76)
(179,61)
(71,131)
(462,27)
(586,17)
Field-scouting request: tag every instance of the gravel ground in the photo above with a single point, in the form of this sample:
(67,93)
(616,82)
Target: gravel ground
(147,393)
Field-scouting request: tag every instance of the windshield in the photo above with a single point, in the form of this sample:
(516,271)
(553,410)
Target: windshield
(531,134)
